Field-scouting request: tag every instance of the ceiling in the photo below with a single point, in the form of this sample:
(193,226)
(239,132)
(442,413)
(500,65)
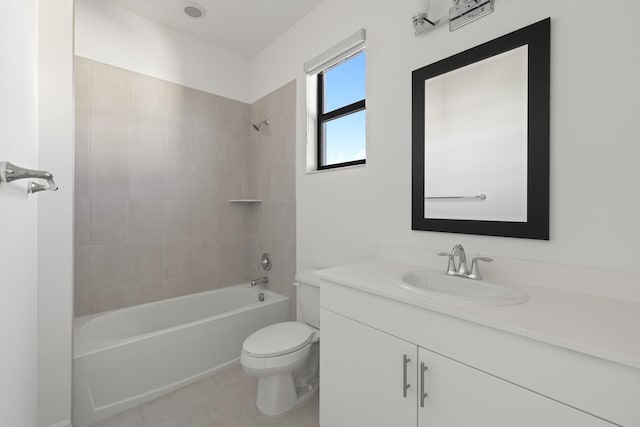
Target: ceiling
(243,26)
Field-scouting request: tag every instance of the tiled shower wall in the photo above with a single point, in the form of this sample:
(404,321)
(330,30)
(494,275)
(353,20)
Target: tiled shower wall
(274,149)
(156,165)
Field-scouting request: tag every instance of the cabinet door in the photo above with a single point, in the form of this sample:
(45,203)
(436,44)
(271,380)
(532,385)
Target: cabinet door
(361,376)
(462,396)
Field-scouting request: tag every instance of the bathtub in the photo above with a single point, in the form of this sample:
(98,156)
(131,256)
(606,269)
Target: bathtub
(127,357)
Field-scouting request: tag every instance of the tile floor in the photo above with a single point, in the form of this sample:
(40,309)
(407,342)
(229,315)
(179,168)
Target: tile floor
(227,399)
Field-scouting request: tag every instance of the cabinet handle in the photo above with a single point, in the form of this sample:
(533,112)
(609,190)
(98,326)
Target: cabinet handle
(405,385)
(423,395)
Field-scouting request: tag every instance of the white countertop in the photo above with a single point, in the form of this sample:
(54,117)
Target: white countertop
(597,326)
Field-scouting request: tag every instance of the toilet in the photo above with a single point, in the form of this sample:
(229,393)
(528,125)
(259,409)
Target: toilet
(284,356)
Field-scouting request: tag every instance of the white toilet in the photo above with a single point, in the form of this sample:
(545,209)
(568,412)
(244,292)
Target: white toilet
(285,356)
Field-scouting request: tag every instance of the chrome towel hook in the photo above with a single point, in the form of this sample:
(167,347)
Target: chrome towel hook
(10,172)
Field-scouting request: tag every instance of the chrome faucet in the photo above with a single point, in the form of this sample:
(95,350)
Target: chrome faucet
(461,269)
(260,281)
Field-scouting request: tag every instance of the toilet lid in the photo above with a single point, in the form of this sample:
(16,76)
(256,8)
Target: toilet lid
(278,339)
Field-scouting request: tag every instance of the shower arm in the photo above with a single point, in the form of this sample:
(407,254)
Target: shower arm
(258,126)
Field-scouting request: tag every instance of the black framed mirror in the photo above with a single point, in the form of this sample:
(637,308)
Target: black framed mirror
(481,139)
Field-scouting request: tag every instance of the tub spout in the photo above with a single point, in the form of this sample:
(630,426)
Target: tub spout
(260,281)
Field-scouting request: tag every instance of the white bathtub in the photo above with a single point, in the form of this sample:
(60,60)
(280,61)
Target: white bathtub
(126,357)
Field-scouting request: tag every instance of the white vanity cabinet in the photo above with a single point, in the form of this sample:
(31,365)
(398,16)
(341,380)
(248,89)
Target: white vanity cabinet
(365,374)
(361,376)
(459,395)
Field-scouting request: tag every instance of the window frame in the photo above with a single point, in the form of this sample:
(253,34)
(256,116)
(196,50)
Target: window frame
(340,112)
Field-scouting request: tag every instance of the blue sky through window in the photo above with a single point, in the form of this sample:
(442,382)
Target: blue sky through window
(344,84)
(345,137)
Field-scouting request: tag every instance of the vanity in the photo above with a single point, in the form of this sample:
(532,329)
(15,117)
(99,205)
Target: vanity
(396,356)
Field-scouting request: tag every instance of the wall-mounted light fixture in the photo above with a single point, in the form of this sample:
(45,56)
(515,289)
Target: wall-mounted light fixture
(462,13)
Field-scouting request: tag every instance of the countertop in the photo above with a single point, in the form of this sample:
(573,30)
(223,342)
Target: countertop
(597,326)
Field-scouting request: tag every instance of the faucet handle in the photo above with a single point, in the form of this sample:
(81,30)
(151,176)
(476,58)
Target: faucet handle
(475,270)
(451,267)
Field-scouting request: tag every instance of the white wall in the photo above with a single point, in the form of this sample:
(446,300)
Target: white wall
(18,278)
(118,37)
(55,211)
(595,97)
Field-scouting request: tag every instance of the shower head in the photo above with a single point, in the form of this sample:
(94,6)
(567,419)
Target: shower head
(259,126)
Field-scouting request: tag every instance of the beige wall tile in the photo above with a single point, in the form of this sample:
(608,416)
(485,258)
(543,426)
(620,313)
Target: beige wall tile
(82,269)
(177,287)
(176,219)
(177,259)
(206,219)
(251,190)
(263,184)
(146,97)
(178,141)
(289,230)
(82,136)
(277,144)
(206,147)
(146,138)
(109,171)
(205,111)
(175,101)
(81,303)
(206,282)
(177,180)
(233,219)
(207,184)
(109,89)
(234,116)
(146,178)
(82,79)
(206,259)
(156,164)
(81,176)
(109,299)
(81,222)
(281,185)
(234,148)
(145,220)
(147,293)
(232,181)
(232,253)
(110,267)
(109,221)
(109,178)
(146,263)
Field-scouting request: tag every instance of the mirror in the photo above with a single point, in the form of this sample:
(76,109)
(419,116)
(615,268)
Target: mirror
(481,139)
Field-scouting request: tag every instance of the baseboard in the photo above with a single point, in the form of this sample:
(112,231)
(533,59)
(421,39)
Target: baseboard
(65,423)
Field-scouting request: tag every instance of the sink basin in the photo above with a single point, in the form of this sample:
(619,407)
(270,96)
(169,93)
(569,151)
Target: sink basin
(441,286)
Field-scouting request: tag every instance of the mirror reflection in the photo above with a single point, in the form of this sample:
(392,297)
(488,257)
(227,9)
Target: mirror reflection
(476,125)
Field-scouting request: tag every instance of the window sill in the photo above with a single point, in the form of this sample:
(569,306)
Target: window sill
(341,168)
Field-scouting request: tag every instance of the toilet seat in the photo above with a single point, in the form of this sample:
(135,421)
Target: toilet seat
(274,364)
(278,340)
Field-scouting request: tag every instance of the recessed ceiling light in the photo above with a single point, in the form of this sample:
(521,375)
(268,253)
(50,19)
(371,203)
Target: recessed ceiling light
(193,10)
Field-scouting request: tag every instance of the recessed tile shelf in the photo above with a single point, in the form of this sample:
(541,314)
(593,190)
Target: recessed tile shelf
(245,201)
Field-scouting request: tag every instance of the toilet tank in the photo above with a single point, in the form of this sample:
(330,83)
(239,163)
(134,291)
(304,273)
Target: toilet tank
(308,299)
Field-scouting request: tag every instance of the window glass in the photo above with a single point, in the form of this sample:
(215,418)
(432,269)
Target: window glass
(344,84)
(345,139)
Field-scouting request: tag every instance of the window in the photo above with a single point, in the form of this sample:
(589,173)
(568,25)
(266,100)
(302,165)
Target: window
(336,104)
(341,114)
